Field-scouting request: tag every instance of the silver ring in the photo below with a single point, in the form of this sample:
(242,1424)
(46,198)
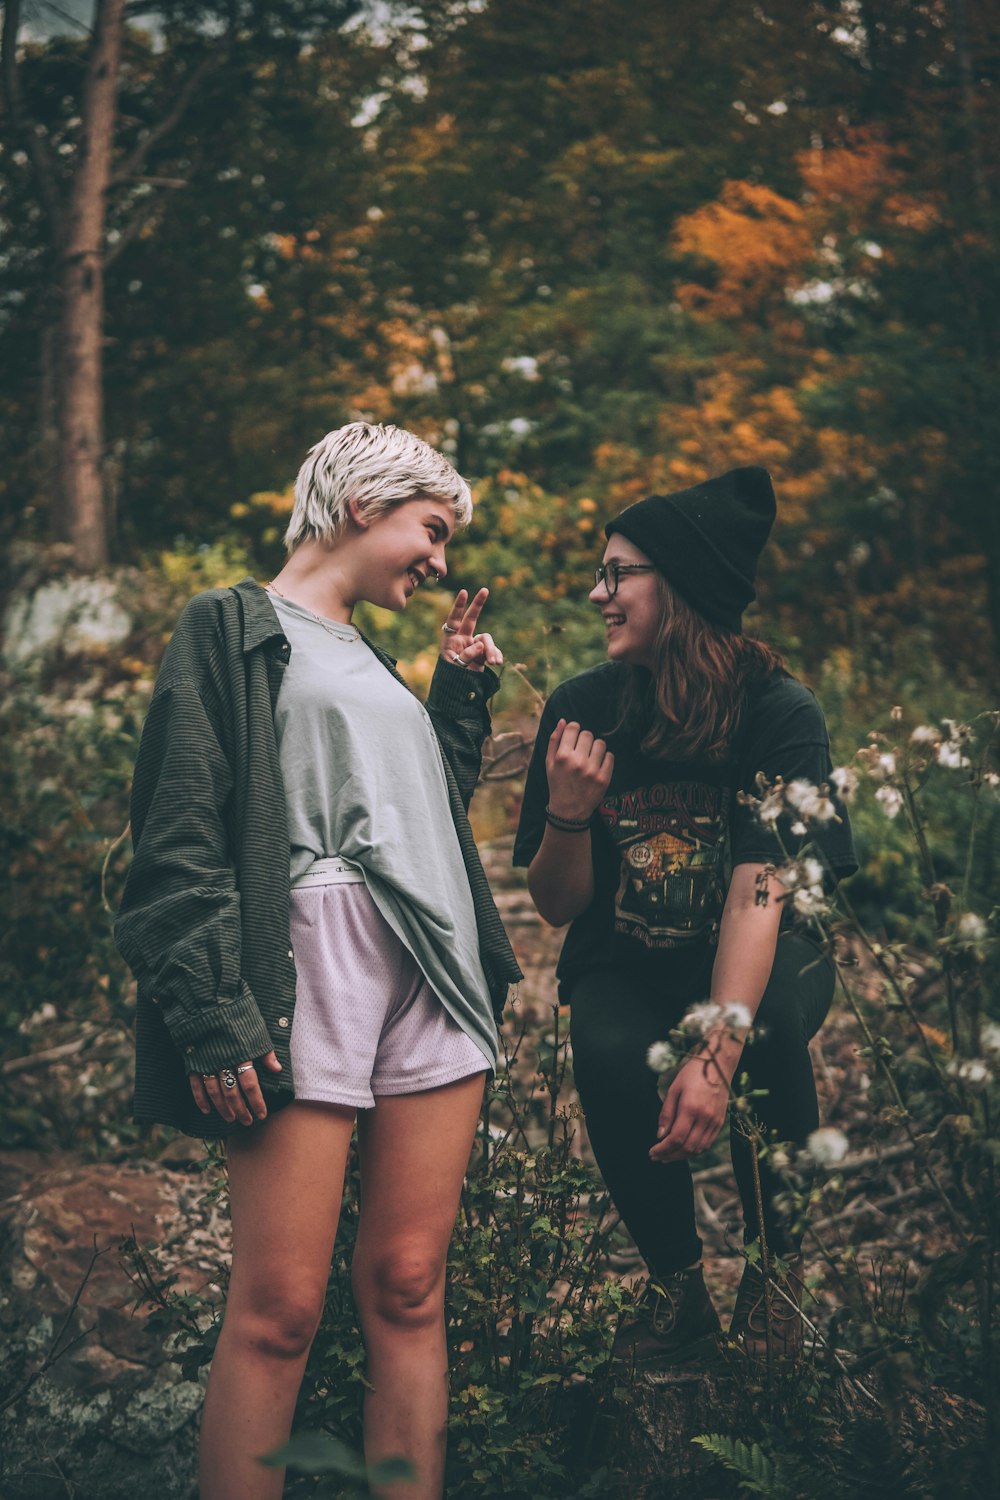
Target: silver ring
(449,629)
(228,1078)
(244,1068)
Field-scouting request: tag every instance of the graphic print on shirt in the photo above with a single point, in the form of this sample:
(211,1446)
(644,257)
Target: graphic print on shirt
(671,839)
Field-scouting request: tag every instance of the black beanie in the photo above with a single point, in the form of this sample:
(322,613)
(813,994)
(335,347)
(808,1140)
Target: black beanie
(706,540)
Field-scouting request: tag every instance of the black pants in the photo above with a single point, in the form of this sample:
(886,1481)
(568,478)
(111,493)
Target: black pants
(616,1015)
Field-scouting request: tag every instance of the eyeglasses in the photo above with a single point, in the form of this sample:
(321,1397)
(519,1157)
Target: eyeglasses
(610,574)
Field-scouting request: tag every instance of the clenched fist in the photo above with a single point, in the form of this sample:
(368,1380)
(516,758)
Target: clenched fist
(578,768)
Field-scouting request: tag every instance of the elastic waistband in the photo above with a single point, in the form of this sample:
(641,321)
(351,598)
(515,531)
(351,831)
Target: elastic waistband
(334,871)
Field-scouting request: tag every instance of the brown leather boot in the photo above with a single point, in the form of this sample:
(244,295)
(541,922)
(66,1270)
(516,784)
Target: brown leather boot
(673,1321)
(783,1291)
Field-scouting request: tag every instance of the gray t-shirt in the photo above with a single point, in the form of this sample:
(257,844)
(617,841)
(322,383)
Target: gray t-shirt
(364,779)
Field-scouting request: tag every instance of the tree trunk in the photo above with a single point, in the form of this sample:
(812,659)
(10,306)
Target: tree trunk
(81,518)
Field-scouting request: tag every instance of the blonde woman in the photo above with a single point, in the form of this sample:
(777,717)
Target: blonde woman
(316,946)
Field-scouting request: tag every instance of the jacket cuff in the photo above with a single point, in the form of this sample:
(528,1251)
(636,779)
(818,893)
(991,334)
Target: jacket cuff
(454,690)
(219,1035)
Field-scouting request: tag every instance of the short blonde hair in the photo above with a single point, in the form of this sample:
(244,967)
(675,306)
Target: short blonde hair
(379,467)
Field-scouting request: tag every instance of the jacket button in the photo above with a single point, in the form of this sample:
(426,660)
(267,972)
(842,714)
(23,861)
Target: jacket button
(471,697)
(290,953)
(283,1021)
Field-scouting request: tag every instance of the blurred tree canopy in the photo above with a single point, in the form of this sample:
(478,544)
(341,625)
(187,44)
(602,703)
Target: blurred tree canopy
(591,249)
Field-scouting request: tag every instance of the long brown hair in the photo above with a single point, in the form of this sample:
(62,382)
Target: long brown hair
(690,705)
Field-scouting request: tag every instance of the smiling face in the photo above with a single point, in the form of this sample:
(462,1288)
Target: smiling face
(403,547)
(632,616)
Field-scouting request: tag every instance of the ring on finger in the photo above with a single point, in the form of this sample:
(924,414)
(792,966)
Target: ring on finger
(449,629)
(228,1078)
(244,1068)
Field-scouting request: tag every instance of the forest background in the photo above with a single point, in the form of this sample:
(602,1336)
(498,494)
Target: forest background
(591,250)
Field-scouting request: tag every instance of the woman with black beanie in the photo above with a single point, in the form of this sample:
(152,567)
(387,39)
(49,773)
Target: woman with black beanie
(634,833)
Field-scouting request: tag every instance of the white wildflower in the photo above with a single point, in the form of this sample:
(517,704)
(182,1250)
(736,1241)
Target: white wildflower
(799,829)
(949,754)
(701,1018)
(971,927)
(891,799)
(844,781)
(896,713)
(924,734)
(779,1158)
(661,1057)
(525,365)
(772,805)
(971,1070)
(827,1146)
(886,764)
(974,1071)
(809,902)
(736,1016)
(810,801)
(989,1039)
(803,878)
(825,812)
(801,794)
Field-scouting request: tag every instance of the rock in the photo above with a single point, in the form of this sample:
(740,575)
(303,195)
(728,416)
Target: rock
(79,616)
(112,1416)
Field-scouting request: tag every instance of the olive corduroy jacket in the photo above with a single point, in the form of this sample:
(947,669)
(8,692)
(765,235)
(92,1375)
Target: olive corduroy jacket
(204,920)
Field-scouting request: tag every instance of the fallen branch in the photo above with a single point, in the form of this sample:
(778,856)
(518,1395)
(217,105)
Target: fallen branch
(105,866)
(56,1353)
(57,1054)
(864,1205)
(846,1168)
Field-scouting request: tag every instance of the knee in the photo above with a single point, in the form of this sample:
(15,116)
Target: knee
(778,1021)
(275,1322)
(402,1286)
(605,1063)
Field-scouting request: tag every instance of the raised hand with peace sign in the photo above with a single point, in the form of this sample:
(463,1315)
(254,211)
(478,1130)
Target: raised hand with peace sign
(461,644)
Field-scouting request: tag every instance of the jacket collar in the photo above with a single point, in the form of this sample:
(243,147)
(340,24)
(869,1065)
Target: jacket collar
(260,623)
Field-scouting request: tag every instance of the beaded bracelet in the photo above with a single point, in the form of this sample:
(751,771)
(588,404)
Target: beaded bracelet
(566,825)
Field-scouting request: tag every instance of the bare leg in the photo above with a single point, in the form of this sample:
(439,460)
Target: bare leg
(286,1181)
(414,1154)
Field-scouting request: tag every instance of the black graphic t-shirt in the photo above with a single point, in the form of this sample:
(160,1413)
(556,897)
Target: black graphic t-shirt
(670,838)
(667,833)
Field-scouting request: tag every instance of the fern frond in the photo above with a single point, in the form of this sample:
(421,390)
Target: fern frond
(747,1460)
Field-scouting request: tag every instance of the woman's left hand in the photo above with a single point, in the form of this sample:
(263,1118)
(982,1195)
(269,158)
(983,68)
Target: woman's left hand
(460,643)
(693,1111)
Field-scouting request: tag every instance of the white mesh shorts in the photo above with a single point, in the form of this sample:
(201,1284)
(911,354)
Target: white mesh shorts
(366,1021)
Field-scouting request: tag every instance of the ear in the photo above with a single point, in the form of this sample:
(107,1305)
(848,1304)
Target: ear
(358,514)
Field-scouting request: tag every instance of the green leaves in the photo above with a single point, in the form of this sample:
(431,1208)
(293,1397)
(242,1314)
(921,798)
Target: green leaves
(319,1453)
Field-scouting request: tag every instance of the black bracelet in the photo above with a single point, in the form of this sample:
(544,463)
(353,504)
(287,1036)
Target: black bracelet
(566,825)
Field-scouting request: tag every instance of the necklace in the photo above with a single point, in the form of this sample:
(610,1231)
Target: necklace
(346,633)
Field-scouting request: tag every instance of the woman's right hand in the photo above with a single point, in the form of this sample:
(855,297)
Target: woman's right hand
(578,768)
(241,1101)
